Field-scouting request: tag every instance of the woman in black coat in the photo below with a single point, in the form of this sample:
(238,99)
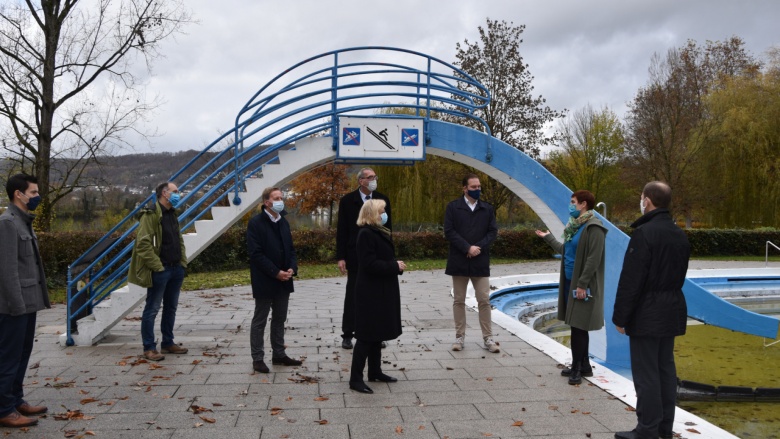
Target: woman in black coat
(377,296)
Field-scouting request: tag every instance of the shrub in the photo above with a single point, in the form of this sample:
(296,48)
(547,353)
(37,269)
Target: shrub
(229,251)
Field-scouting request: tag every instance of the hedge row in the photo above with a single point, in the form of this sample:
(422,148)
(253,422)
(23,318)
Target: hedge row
(229,251)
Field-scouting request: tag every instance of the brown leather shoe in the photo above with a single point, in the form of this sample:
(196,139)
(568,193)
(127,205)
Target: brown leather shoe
(174,349)
(153,355)
(31,410)
(16,420)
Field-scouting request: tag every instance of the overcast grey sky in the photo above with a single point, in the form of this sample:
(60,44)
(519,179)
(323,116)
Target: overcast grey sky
(579,51)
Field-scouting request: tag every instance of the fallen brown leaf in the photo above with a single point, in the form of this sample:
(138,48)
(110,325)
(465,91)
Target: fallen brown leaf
(275,411)
(630,409)
(399,429)
(72,415)
(692,430)
(321,398)
(88,400)
(196,409)
(322,421)
(518,424)
(207,419)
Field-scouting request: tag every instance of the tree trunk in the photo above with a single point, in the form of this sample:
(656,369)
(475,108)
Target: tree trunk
(46,116)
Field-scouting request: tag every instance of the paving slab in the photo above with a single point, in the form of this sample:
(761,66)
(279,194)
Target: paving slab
(440,393)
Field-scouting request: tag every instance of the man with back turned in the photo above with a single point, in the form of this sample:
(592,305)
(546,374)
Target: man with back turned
(650,308)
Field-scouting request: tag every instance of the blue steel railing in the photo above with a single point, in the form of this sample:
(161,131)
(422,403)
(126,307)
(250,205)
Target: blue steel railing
(304,100)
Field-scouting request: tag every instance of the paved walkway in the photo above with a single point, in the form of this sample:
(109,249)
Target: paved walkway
(212,392)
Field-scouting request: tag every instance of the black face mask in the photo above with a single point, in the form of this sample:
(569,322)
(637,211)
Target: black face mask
(32,203)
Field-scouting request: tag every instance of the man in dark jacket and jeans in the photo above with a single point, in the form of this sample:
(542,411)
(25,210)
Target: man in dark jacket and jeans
(470,227)
(650,308)
(272,265)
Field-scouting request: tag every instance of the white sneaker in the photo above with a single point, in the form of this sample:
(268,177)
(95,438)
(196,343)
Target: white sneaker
(458,345)
(491,346)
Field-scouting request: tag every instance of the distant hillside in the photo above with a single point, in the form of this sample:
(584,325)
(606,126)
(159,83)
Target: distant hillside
(143,171)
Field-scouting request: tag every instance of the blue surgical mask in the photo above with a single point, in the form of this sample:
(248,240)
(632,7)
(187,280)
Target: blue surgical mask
(475,194)
(573,211)
(174,199)
(278,206)
(33,202)
(384,218)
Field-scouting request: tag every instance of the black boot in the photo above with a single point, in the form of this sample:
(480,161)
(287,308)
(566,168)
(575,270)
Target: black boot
(586,369)
(576,373)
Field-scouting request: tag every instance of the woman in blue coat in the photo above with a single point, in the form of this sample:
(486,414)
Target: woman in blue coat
(377,295)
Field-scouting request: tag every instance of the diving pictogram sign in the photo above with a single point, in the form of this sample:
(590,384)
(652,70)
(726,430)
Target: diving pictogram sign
(376,138)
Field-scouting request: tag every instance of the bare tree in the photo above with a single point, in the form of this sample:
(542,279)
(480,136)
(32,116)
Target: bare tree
(667,124)
(70,86)
(514,115)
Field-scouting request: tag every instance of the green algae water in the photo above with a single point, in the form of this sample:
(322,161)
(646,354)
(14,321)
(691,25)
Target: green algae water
(721,357)
(717,356)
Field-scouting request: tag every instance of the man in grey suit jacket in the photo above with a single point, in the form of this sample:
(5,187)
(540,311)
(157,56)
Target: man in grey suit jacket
(23,293)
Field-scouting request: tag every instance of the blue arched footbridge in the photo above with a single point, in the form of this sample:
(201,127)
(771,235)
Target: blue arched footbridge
(341,106)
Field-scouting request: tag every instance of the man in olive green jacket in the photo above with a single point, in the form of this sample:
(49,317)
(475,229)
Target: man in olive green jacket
(158,264)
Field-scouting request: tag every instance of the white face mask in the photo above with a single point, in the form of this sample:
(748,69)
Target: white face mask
(278,206)
(642,205)
(372,185)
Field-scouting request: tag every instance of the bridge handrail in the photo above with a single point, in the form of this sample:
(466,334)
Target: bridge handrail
(768,243)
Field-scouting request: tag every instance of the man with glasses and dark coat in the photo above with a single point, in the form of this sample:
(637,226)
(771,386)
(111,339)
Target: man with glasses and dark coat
(346,238)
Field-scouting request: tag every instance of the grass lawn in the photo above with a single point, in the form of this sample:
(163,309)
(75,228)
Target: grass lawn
(221,279)
(201,281)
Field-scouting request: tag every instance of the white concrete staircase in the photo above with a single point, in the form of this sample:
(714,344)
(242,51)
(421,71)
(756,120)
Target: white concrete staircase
(308,153)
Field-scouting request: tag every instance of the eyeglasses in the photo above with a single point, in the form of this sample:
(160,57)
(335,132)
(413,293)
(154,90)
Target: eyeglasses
(371,178)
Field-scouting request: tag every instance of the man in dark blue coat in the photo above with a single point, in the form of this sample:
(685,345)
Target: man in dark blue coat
(346,237)
(470,227)
(272,266)
(650,308)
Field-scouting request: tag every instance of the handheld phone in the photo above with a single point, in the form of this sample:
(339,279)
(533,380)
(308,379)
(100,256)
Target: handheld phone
(587,294)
